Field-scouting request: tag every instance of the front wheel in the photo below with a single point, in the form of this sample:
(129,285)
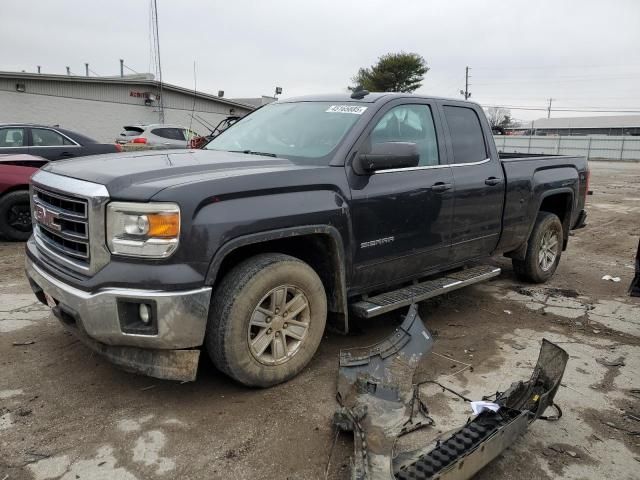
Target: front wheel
(266,319)
(15,216)
(543,251)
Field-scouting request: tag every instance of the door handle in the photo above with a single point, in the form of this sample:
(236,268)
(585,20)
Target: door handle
(493,181)
(441,187)
(66,154)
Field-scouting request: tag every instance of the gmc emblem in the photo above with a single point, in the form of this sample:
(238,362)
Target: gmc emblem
(46,217)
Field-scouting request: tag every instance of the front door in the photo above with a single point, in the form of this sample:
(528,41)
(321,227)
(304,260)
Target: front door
(402,217)
(479,186)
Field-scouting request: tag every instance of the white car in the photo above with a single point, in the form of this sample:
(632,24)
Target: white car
(156,135)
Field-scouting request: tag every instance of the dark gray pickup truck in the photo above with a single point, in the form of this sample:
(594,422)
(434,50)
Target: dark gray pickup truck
(310,209)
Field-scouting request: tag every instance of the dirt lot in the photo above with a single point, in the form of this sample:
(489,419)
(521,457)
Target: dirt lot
(65,413)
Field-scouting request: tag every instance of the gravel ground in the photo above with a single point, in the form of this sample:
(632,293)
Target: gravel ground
(65,413)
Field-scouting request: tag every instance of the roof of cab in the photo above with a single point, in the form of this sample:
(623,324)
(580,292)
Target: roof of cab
(371,97)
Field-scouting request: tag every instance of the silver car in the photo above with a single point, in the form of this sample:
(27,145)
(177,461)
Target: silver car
(156,135)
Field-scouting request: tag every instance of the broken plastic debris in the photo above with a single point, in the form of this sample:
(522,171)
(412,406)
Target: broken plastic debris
(481,405)
(508,312)
(610,278)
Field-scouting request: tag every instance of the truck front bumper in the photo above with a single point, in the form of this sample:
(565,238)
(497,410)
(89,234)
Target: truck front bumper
(103,321)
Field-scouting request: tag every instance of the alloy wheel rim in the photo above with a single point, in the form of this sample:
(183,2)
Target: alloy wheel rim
(19,217)
(548,250)
(279,325)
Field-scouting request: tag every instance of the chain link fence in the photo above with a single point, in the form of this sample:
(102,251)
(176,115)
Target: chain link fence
(622,148)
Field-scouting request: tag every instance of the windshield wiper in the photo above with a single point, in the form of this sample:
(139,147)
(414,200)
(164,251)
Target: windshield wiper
(251,152)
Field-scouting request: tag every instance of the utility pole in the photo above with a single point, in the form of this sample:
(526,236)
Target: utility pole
(549,108)
(466,93)
(159,65)
(121,67)
(86,69)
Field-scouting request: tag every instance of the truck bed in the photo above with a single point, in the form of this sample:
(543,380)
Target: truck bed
(528,177)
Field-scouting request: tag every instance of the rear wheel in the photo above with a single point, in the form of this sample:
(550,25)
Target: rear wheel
(266,320)
(543,251)
(15,216)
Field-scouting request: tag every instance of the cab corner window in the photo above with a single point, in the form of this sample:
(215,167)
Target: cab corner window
(466,135)
(409,123)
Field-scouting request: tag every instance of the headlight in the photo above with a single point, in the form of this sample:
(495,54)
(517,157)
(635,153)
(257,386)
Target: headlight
(148,230)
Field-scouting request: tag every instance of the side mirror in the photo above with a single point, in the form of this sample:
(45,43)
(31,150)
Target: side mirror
(385,156)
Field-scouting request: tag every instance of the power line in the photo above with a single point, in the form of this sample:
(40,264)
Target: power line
(558,67)
(129,68)
(576,110)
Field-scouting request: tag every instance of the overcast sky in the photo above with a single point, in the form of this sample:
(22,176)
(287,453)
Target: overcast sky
(584,54)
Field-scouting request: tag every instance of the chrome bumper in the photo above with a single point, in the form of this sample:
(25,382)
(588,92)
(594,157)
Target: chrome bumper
(181,316)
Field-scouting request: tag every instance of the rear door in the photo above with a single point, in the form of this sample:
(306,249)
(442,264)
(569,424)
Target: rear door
(402,217)
(479,183)
(52,145)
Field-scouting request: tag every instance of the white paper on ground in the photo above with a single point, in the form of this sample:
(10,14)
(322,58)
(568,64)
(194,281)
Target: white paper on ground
(609,277)
(481,406)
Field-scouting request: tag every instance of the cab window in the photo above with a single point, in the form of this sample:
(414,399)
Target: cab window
(466,135)
(409,123)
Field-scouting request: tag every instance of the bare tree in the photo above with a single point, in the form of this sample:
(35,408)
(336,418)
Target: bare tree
(499,117)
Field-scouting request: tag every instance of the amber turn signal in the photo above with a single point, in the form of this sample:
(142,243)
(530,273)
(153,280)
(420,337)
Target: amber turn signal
(164,225)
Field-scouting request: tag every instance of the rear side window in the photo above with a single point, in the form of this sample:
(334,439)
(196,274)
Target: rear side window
(48,138)
(131,131)
(466,135)
(12,137)
(170,133)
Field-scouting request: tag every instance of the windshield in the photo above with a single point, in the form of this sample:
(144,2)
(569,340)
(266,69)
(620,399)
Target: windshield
(305,130)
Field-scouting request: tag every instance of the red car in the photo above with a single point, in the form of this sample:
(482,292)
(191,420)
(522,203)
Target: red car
(15,210)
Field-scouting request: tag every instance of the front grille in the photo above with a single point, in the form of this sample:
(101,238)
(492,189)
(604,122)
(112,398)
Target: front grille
(62,224)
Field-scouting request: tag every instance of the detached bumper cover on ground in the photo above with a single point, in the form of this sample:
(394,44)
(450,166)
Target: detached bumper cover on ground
(379,404)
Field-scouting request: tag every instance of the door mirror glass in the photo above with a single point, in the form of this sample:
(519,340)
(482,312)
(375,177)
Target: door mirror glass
(386,156)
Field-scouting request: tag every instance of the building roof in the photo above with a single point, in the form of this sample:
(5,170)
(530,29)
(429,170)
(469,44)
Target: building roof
(608,121)
(257,101)
(138,79)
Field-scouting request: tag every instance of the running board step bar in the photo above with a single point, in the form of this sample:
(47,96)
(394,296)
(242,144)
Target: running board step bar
(403,297)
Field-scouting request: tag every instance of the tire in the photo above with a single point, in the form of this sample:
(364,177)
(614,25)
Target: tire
(538,267)
(15,216)
(239,327)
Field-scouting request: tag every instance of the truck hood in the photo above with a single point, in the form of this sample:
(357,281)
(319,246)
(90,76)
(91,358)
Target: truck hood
(141,175)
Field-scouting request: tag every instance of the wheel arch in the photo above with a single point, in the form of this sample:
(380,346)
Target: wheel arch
(320,246)
(15,188)
(559,202)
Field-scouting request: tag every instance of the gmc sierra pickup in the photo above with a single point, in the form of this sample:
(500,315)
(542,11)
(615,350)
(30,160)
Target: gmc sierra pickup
(307,209)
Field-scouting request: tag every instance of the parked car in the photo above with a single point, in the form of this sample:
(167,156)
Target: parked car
(353,205)
(156,135)
(15,211)
(52,143)
(199,142)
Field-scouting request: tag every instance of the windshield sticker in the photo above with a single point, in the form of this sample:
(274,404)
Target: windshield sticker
(346,109)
